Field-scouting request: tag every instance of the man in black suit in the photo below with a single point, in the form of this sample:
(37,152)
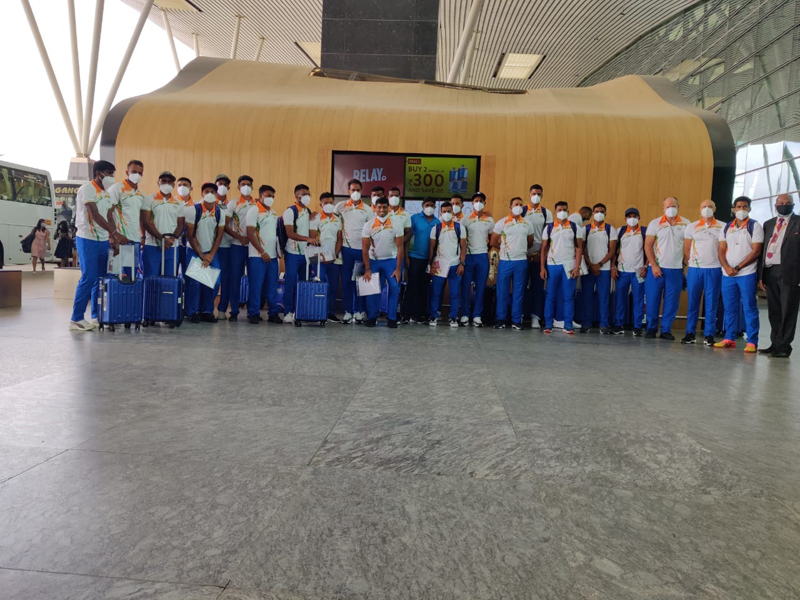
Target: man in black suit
(780,276)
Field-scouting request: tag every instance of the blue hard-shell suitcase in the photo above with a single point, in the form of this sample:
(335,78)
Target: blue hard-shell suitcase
(121,299)
(311,300)
(164,297)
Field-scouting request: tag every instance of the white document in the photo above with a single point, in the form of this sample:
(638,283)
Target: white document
(208,276)
(371,287)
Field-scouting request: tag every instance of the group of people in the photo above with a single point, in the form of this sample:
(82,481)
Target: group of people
(535,256)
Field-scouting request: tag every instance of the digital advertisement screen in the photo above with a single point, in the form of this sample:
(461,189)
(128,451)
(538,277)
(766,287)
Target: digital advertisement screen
(417,175)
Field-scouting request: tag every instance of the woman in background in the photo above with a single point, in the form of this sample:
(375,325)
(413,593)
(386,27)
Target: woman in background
(40,244)
(65,245)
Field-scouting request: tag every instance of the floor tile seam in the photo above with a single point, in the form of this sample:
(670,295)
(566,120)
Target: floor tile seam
(112,577)
(4,481)
(222,591)
(35,379)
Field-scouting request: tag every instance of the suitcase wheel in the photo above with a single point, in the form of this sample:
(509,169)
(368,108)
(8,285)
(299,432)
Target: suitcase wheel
(111,328)
(322,323)
(101,327)
(145,323)
(172,325)
(178,323)
(138,325)
(298,324)
(127,325)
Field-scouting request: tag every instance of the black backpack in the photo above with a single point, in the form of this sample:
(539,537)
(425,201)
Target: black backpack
(456,228)
(283,237)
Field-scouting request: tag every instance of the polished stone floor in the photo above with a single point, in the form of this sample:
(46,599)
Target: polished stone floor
(266,462)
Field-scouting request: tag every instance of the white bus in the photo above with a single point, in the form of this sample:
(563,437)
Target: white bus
(26,195)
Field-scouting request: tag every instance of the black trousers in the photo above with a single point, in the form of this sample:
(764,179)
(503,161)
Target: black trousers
(783,301)
(415,303)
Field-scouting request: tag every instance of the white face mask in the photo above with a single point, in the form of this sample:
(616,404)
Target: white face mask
(562,214)
(599,217)
(328,209)
(707,212)
(383,219)
(671,212)
(428,211)
(108,181)
(516,210)
(183,190)
(355,196)
(394,200)
(478,206)
(742,214)
(135,178)
(245,190)
(165,188)
(375,199)
(456,209)
(267,201)
(209,198)
(447,217)
(305,200)
(632,221)
(536,198)
(222,190)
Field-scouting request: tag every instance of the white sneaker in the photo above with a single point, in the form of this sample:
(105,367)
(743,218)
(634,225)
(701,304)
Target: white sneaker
(82,325)
(477,322)
(94,322)
(359,316)
(433,322)
(347,318)
(558,324)
(535,322)
(289,318)
(453,323)
(465,320)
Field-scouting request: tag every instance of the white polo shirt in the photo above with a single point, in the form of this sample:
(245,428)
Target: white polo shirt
(265,222)
(513,232)
(206,230)
(631,250)
(668,246)
(403,217)
(127,204)
(449,249)
(226,239)
(740,244)
(704,251)
(384,237)
(561,250)
(301,227)
(597,242)
(164,215)
(91,193)
(238,212)
(328,228)
(537,218)
(354,216)
(478,231)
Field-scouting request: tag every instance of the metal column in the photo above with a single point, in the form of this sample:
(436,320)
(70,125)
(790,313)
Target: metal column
(171,39)
(90,89)
(235,42)
(466,37)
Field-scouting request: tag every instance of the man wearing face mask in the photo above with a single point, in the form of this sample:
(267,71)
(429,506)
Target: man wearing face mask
(601,248)
(126,204)
(184,191)
(629,268)
(223,182)
(513,236)
(537,217)
(236,228)
(740,245)
(205,225)
(448,248)
(403,217)
(93,231)
(562,250)
(376,193)
(382,250)
(704,275)
(162,218)
(328,226)
(415,304)
(262,262)
(457,201)
(780,276)
(664,248)
(479,227)
(297,220)
(355,214)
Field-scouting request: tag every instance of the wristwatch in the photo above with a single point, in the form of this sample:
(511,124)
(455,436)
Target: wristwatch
(737,268)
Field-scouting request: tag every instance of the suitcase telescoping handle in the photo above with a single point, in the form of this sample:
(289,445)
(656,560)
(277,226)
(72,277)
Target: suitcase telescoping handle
(134,274)
(308,266)
(174,255)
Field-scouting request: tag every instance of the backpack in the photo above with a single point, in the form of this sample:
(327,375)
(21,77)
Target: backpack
(621,233)
(27,242)
(198,213)
(283,237)
(574,231)
(589,229)
(751,225)
(456,228)
(525,212)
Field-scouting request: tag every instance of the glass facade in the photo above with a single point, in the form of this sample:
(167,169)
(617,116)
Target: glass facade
(740,59)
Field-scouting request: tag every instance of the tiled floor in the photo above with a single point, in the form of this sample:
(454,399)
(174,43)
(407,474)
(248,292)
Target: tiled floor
(267,462)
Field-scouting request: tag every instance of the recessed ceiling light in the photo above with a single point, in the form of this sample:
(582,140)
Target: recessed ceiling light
(313,50)
(517,66)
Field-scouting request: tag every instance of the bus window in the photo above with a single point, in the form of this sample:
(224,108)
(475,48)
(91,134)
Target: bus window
(6,192)
(31,188)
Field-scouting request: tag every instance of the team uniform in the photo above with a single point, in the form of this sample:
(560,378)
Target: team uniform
(224,255)
(538,217)
(668,250)
(163,212)
(238,212)
(184,244)
(126,202)
(740,288)
(354,217)
(563,240)
(207,223)
(263,276)
(91,241)
(445,266)
(383,260)
(630,260)
(328,228)
(704,275)
(476,265)
(415,304)
(294,258)
(512,271)
(598,239)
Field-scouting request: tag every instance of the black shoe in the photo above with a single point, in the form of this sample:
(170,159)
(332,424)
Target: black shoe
(666,335)
(709,341)
(689,338)
(650,335)
(254,320)
(333,318)
(208,318)
(638,333)
(260,318)
(404,321)
(584,330)
(233,318)
(275,319)
(195,318)
(617,331)
(518,326)
(768,350)
(391,323)
(779,354)
(371,322)
(500,325)
(605,331)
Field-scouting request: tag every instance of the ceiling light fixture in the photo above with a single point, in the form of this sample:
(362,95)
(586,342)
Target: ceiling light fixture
(517,66)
